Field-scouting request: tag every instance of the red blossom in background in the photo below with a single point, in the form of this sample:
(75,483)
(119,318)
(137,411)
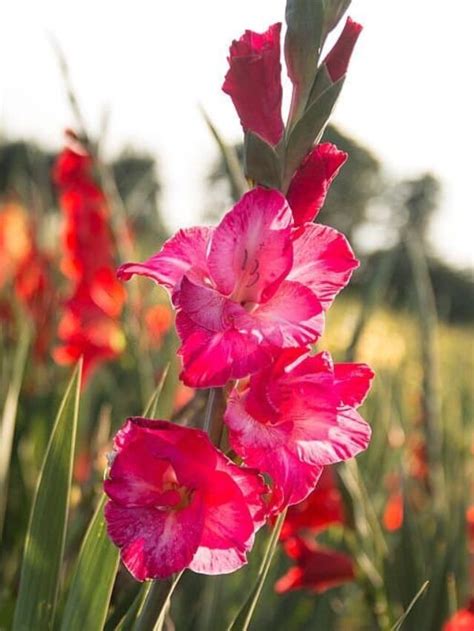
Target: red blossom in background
(463,620)
(321,509)
(177,502)
(252,284)
(34,288)
(297,416)
(30,271)
(339,56)
(253,82)
(311,182)
(88,326)
(317,568)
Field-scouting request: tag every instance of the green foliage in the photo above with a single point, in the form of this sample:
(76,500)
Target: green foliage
(91,586)
(44,546)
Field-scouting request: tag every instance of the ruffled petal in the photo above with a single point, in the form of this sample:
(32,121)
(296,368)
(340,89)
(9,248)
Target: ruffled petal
(292,317)
(184,253)
(323,261)
(251,249)
(211,359)
(154,543)
(353,382)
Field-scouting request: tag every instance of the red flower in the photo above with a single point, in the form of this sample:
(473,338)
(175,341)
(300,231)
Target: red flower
(252,284)
(338,57)
(15,240)
(316,569)
(177,502)
(35,289)
(311,182)
(393,513)
(253,82)
(297,416)
(321,509)
(89,326)
(463,620)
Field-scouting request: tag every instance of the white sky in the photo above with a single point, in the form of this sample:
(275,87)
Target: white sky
(151,62)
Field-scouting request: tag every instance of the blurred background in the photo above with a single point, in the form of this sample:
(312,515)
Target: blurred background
(133,80)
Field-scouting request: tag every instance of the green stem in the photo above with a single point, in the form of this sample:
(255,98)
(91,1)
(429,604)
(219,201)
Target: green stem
(152,614)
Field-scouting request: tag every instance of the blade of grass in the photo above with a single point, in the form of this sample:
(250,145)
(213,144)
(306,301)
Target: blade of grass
(7,429)
(93,579)
(153,611)
(44,546)
(235,174)
(403,617)
(244,617)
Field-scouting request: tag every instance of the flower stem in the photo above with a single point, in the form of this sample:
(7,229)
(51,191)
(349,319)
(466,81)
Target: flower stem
(152,614)
(209,410)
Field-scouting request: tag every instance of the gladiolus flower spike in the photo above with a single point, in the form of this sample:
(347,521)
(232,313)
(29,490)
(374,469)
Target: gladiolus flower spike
(254,284)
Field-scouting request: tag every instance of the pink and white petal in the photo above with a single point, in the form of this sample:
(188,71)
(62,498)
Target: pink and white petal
(228,528)
(211,359)
(184,253)
(167,441)
(345,439)
(247,433)
(251,250)
(203,305)
(353,382)
(323,261)
(252,487)
(155,544)
(293,479)
(292,317)
(136,477)
(212,562)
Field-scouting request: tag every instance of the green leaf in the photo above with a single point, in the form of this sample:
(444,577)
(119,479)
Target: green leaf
(153,611)
(44,546)
(309,130)
(7,428)
(303,42)
(401,620)
(244,617)
(333,12)
(229,157)
(93,579)
(262,162)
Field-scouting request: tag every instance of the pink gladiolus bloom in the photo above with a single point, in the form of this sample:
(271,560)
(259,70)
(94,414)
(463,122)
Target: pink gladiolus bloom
(253,284)
(253,82)
(177,502)
(311,182)
(338,57)
(297,416)
(317,568)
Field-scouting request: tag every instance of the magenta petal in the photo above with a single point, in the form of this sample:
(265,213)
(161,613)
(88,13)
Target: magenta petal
(323,261)
(212,358)
(353,382)
(253,82)
(154,543)
(184,253)
(212,562)
(203,305)
(292,317)
(311,182)
(251,250)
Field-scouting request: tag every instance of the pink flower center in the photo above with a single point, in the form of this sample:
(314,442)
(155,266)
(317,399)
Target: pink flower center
(247,279)
(173,495)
